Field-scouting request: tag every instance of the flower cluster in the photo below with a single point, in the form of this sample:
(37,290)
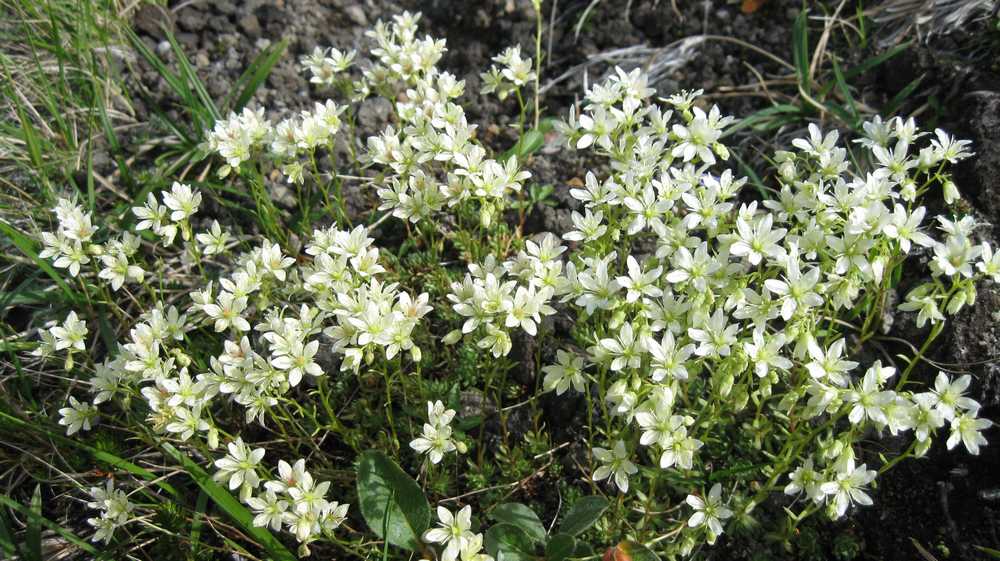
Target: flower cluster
(436,439)
(71,244)
(492,305)
(683,291)
(516,71)
(432,158)
(116,510)
(164,220)
(294,501)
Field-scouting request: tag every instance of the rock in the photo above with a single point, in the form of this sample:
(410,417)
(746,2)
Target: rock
(227,7)
(976,176)
(250,25)
(201,60)
(153,20)
(189,41)
(218,86)
(356,14)
(374,114)
(191,19)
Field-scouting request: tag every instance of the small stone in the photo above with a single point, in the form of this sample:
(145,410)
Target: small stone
(191,20)
(356,14)
(153,20)
(201,60)
(227,7)
(188,41)
(250,25)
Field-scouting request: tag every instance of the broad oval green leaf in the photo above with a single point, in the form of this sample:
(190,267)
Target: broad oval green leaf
(508,541)
(560,547)
(523,517)
(637,552)
(391,499)
(583,514)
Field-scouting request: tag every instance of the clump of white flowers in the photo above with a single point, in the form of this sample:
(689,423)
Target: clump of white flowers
(727,311)
(116,510)
(515,72)
(71,245)
(293,501)
(711,329)
(436,439)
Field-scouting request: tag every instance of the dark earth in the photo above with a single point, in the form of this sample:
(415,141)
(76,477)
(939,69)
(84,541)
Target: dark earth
(938,507)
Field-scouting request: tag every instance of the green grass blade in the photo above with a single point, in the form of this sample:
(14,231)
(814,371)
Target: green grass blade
(225,501)
(100,455)
(27,246)
(800,48)
(845,90)
(191,76)
(34,517)
(897,100)
(254,76)
(8,547)
(33,529)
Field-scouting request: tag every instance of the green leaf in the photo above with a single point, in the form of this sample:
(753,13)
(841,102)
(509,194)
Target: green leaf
(637,551)
(529,143)
(228,503)
(34,517)
(993,553)
(27,247)
(33,529)
(386,491)
(254,76)
(560,547)
(8,547)
(800,48)
(509,540)
(583,514)
(517,514)
(99,455)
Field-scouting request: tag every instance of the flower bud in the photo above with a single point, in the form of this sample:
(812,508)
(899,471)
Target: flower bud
(951,193)
(452,337)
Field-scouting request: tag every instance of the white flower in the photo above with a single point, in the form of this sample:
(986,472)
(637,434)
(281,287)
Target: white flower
(77,416)
(765,352)
(951,395)
(640,283)
(454,531)
(828,364)
(239,467)
(568,371)
(71,334)
(298,360)
(805,478)
(849,487)
(269,510)
(615,464)
(227,312)
(182,201)
(213,241)
(117,270)
(436,440)
(758,240)
(966,428)
(904,228)
(709,512)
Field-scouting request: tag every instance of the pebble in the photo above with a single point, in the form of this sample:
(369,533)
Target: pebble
(356,14)
(250,25)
